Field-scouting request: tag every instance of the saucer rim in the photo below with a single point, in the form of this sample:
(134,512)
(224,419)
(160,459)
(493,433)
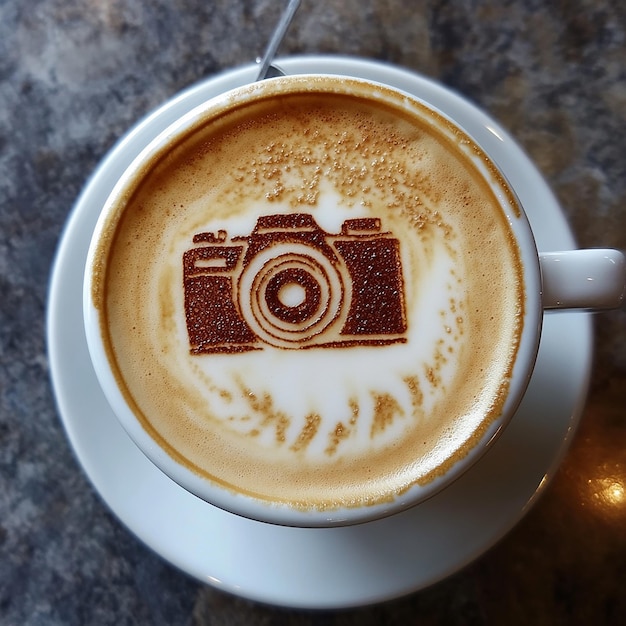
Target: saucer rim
(157,542)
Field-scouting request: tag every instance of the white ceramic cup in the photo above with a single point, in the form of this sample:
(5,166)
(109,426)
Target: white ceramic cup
(587,279)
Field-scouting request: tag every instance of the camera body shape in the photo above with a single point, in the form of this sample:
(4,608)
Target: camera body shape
(289,284)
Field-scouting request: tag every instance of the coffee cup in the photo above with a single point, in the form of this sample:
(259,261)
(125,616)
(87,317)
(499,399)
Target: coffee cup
(315,300)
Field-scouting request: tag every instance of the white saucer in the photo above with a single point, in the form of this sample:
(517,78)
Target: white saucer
(322,568)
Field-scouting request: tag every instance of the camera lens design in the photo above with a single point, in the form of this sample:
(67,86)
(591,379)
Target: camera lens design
(293,295)
(321,301)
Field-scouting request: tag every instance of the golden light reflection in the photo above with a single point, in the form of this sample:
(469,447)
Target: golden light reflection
(608,492)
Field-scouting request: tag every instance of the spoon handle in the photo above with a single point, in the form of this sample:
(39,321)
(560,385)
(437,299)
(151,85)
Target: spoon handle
(277,37)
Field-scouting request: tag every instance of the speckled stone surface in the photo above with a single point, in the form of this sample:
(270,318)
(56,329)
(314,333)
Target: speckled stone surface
(75,74)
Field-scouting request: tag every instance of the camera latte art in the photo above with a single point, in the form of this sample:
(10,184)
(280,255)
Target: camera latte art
(294,286)
(313,298)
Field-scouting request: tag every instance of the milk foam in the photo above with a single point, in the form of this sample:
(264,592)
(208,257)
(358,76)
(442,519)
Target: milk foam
(320,426)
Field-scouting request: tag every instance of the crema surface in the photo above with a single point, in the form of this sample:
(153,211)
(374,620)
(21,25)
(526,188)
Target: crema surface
(313,299)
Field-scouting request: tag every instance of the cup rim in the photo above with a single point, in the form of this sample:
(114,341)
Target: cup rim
(278,513)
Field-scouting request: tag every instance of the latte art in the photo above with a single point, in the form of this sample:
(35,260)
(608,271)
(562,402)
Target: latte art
(313,298)
(348,288)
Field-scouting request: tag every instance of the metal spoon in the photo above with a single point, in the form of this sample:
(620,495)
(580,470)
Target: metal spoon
(267,70)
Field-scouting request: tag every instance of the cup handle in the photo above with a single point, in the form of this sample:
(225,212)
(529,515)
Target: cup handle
(583,279)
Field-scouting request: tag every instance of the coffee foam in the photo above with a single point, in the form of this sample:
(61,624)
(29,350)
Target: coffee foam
(323,426)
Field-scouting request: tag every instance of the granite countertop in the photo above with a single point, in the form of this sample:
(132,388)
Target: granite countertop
(76,74)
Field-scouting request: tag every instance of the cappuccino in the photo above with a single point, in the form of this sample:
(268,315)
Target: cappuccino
(313,297)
